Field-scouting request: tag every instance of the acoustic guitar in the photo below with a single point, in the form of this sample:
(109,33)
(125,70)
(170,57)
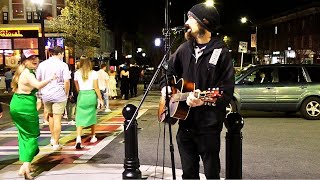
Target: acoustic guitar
(178,107)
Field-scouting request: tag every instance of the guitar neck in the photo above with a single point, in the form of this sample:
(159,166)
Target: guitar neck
(180,96)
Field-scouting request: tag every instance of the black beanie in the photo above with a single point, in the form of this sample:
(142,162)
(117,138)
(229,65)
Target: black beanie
(207,16)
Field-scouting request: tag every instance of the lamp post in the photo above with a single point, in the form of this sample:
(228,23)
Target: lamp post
(245,20)
(41,41)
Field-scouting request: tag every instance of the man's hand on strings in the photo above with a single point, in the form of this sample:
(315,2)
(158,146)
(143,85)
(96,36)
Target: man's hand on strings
(193,101)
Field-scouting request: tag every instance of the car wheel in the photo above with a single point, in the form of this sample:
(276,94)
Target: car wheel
(231,107)
(310,108)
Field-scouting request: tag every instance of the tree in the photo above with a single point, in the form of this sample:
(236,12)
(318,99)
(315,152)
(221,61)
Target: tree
(79,24)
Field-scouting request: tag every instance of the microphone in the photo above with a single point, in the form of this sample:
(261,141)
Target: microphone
(178,28)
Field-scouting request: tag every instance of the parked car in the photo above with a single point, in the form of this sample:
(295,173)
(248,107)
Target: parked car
(279,87)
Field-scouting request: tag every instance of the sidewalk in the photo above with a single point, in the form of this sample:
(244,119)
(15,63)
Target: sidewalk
(93,172)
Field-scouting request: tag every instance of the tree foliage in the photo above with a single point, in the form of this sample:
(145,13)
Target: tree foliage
(79,23)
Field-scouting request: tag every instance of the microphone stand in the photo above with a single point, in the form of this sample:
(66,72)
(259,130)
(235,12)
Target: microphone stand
(163,64)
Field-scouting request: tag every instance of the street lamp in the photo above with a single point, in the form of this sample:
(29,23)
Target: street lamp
(157,42)
(253,39)
(41,41)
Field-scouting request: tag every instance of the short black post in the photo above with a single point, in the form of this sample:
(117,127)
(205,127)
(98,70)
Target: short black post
(234,123)
(131,161)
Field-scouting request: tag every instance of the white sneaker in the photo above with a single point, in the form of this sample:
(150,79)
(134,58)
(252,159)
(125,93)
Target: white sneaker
(72,122)
(93,139)
(56,147)
(52,142)
(107,110)
(6,92)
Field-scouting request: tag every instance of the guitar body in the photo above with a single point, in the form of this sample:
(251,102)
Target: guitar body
(178,107)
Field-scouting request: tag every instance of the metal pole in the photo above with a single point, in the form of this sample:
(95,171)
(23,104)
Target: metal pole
(241,61)
(167,27)
(131,161)
(167,47)
(256,43)
(41,43)
(234,123)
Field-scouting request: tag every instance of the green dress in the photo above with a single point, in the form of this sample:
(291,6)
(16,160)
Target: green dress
(86,109)
(23,111)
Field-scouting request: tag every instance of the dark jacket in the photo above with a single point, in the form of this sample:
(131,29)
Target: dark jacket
(205,75)
(134,72)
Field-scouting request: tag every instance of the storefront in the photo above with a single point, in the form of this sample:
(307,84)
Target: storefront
(13,41)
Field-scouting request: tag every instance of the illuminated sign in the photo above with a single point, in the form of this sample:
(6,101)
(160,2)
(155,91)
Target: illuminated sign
(18,33)
(10,33)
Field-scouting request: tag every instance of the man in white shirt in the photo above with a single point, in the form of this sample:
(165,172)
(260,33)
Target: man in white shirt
(103,80)
(55,94)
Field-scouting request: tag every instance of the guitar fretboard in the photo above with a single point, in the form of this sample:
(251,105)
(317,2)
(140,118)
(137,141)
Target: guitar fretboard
(180,96)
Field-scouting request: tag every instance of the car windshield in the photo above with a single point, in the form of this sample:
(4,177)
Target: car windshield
(240,72)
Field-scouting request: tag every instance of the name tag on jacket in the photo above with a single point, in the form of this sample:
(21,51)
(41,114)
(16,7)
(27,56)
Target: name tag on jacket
(215,56)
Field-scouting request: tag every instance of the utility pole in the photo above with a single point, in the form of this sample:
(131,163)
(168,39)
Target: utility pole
(256,43)
(166,32)
(167,45)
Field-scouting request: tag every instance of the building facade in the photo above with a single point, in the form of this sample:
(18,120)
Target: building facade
(21,28)
(291,37)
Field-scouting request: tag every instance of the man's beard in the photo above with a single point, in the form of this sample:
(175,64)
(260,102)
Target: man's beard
(189,35)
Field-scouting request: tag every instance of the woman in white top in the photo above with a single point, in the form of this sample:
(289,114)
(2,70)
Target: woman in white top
(86,83)
(113,83)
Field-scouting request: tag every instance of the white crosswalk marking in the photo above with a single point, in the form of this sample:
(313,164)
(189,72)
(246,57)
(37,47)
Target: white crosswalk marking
(69,135)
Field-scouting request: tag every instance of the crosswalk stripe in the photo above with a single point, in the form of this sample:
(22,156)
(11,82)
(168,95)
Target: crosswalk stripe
(116,119)
(45,148)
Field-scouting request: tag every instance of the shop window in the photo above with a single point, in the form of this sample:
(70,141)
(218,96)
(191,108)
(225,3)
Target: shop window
(25,43)
(47,11)
(1,58)
(5,44)
(60,6)
(17,7)
(12,58)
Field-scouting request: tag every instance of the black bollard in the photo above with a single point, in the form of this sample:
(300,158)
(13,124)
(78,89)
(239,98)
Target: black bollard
(131,161)
(234,123)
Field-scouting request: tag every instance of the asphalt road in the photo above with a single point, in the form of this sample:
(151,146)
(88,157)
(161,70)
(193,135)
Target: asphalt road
(274,146)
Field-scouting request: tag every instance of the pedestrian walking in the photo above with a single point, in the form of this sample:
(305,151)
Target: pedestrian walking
(23,109)
(86,83)
(55,94)
(8,78)
(204,60)
(103,82)
(124,76)
(113,83)
(72,98)
(135,73)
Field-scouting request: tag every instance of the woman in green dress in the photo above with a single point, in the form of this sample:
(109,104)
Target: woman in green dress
(86,83)
(23,109)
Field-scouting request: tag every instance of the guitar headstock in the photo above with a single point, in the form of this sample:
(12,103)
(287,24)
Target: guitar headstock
(209,96)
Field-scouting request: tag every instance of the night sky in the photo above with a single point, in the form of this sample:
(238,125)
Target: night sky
(147,16)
